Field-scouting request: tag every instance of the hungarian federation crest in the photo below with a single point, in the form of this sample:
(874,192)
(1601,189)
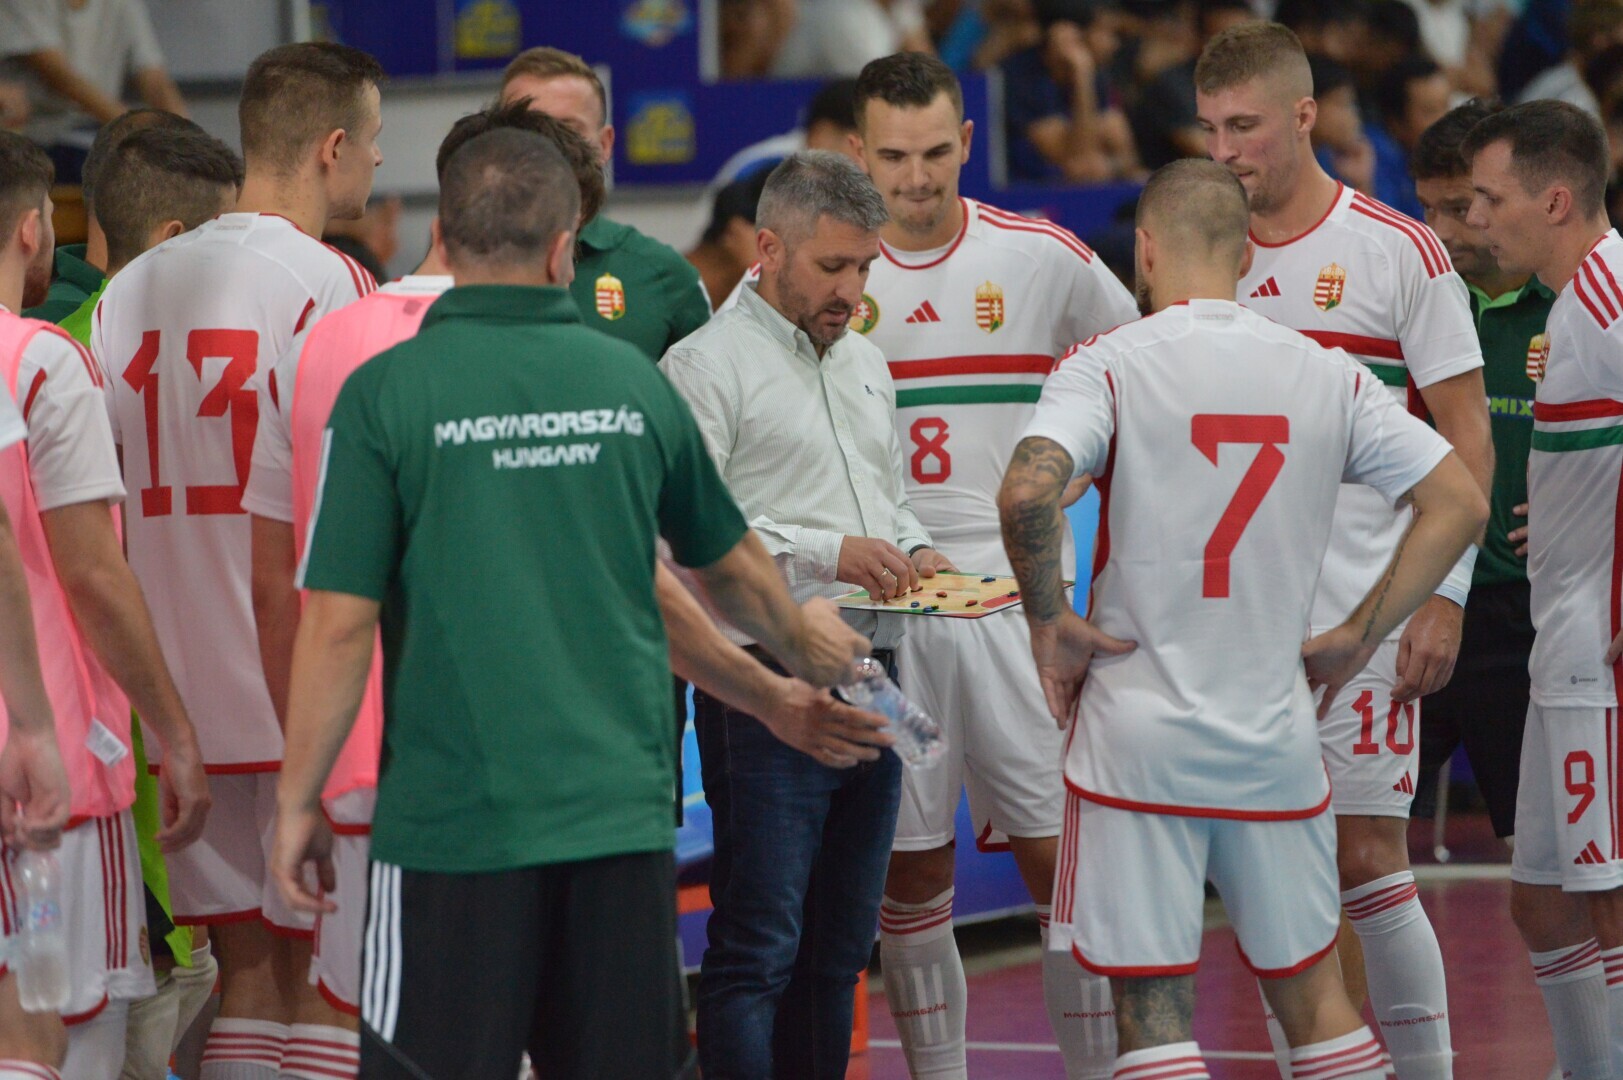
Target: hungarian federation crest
(611,297)
(865,316)
(1332,282)
(989,307)
(1538,356)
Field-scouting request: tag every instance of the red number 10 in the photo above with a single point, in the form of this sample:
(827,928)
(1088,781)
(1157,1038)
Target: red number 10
(1208,431)
(1364,705)
(230,396)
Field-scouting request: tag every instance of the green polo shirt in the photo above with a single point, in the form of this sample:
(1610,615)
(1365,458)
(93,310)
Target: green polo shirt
(73,282)
(637,289)
(498,482)
(1507,326)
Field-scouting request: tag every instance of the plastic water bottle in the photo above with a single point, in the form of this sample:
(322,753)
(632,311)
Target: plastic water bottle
(41,947)
(917,735)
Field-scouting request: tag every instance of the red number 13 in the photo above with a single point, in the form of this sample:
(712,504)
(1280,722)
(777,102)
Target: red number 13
(229,397)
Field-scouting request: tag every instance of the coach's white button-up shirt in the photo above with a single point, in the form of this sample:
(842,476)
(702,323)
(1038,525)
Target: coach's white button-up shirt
(807,445)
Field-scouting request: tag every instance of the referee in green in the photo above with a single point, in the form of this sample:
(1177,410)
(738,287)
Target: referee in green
(1484,705)
(491,492)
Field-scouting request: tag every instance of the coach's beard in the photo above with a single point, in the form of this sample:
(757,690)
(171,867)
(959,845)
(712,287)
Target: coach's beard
(798,309)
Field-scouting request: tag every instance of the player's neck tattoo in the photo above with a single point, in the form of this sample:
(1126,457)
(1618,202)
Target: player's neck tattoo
(1034,525)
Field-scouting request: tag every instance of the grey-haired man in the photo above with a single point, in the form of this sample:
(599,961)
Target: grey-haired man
(799,417)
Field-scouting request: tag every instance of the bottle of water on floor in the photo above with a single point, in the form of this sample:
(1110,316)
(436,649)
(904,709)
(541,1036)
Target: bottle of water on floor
(41,948)
(917,735)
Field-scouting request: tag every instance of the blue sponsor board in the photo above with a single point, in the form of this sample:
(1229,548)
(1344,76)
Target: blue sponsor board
(674,127)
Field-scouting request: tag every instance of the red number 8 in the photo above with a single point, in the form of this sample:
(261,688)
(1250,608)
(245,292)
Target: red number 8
(932,447)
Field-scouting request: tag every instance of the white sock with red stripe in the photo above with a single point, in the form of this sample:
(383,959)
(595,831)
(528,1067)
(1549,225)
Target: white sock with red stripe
(96,1046)
(1079,1010)
(924,982)
(1174,1061)
(1354,1056)
(1276,1036)
(1612,963)
(12,1069)
(240,1049)
(1573,983)
(1404,966)
(318,1052)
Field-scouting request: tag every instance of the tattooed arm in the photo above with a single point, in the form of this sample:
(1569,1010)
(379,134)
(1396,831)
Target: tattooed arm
(1450,510)
(1034,524)
(1062,643)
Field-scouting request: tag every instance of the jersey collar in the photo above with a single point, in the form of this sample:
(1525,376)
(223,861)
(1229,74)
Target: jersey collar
(1341,191)
(963,231)
(601,234)
(504,304)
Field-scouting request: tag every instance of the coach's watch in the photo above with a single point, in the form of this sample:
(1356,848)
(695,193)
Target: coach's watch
(915,549)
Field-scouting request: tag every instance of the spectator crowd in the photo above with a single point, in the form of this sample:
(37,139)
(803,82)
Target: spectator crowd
(1095,90)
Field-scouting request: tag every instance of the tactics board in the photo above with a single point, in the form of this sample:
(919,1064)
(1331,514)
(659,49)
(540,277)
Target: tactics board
(958,596)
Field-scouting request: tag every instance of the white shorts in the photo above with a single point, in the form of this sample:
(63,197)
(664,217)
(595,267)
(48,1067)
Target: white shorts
(1130,896)
(1370,743)
(222,877)
(1567,814)
(109,953)
(335,969)
(977,678)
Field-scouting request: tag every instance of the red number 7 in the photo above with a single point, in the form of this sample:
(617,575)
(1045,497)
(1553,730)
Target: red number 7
(1208,431)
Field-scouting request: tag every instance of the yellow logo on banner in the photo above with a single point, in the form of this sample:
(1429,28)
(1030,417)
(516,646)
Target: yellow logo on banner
(611,297)
(661,133)
(1332,283)
(989,307)
(1538,356)
(865,316)
(656,23)
(488,30)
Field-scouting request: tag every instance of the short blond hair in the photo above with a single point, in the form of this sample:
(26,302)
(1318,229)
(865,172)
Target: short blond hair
(1254,50)
(545,62)
(1199,207)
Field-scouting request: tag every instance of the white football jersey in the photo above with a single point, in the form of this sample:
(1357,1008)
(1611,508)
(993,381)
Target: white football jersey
(1219,440)
(1379,285)
(971,331)
(1575,489)
(71,458)
(180,334)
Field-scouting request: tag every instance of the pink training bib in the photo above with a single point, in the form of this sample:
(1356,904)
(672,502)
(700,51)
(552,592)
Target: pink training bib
(92,713)
(337,345)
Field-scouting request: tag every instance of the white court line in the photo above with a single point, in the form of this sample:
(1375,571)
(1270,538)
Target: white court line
(1050,1048)
(1462,872)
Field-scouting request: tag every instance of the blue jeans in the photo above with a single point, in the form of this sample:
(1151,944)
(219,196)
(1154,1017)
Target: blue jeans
(801,855)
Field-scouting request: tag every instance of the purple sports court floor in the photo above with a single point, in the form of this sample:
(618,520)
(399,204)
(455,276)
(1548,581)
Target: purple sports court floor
(1499,1027)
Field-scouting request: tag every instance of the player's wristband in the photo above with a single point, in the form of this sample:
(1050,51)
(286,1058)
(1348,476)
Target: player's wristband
(1457,585)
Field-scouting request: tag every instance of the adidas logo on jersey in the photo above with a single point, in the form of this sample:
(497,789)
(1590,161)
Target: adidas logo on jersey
(1589,856)
(923,313)
(1267,288)
(1404,786)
